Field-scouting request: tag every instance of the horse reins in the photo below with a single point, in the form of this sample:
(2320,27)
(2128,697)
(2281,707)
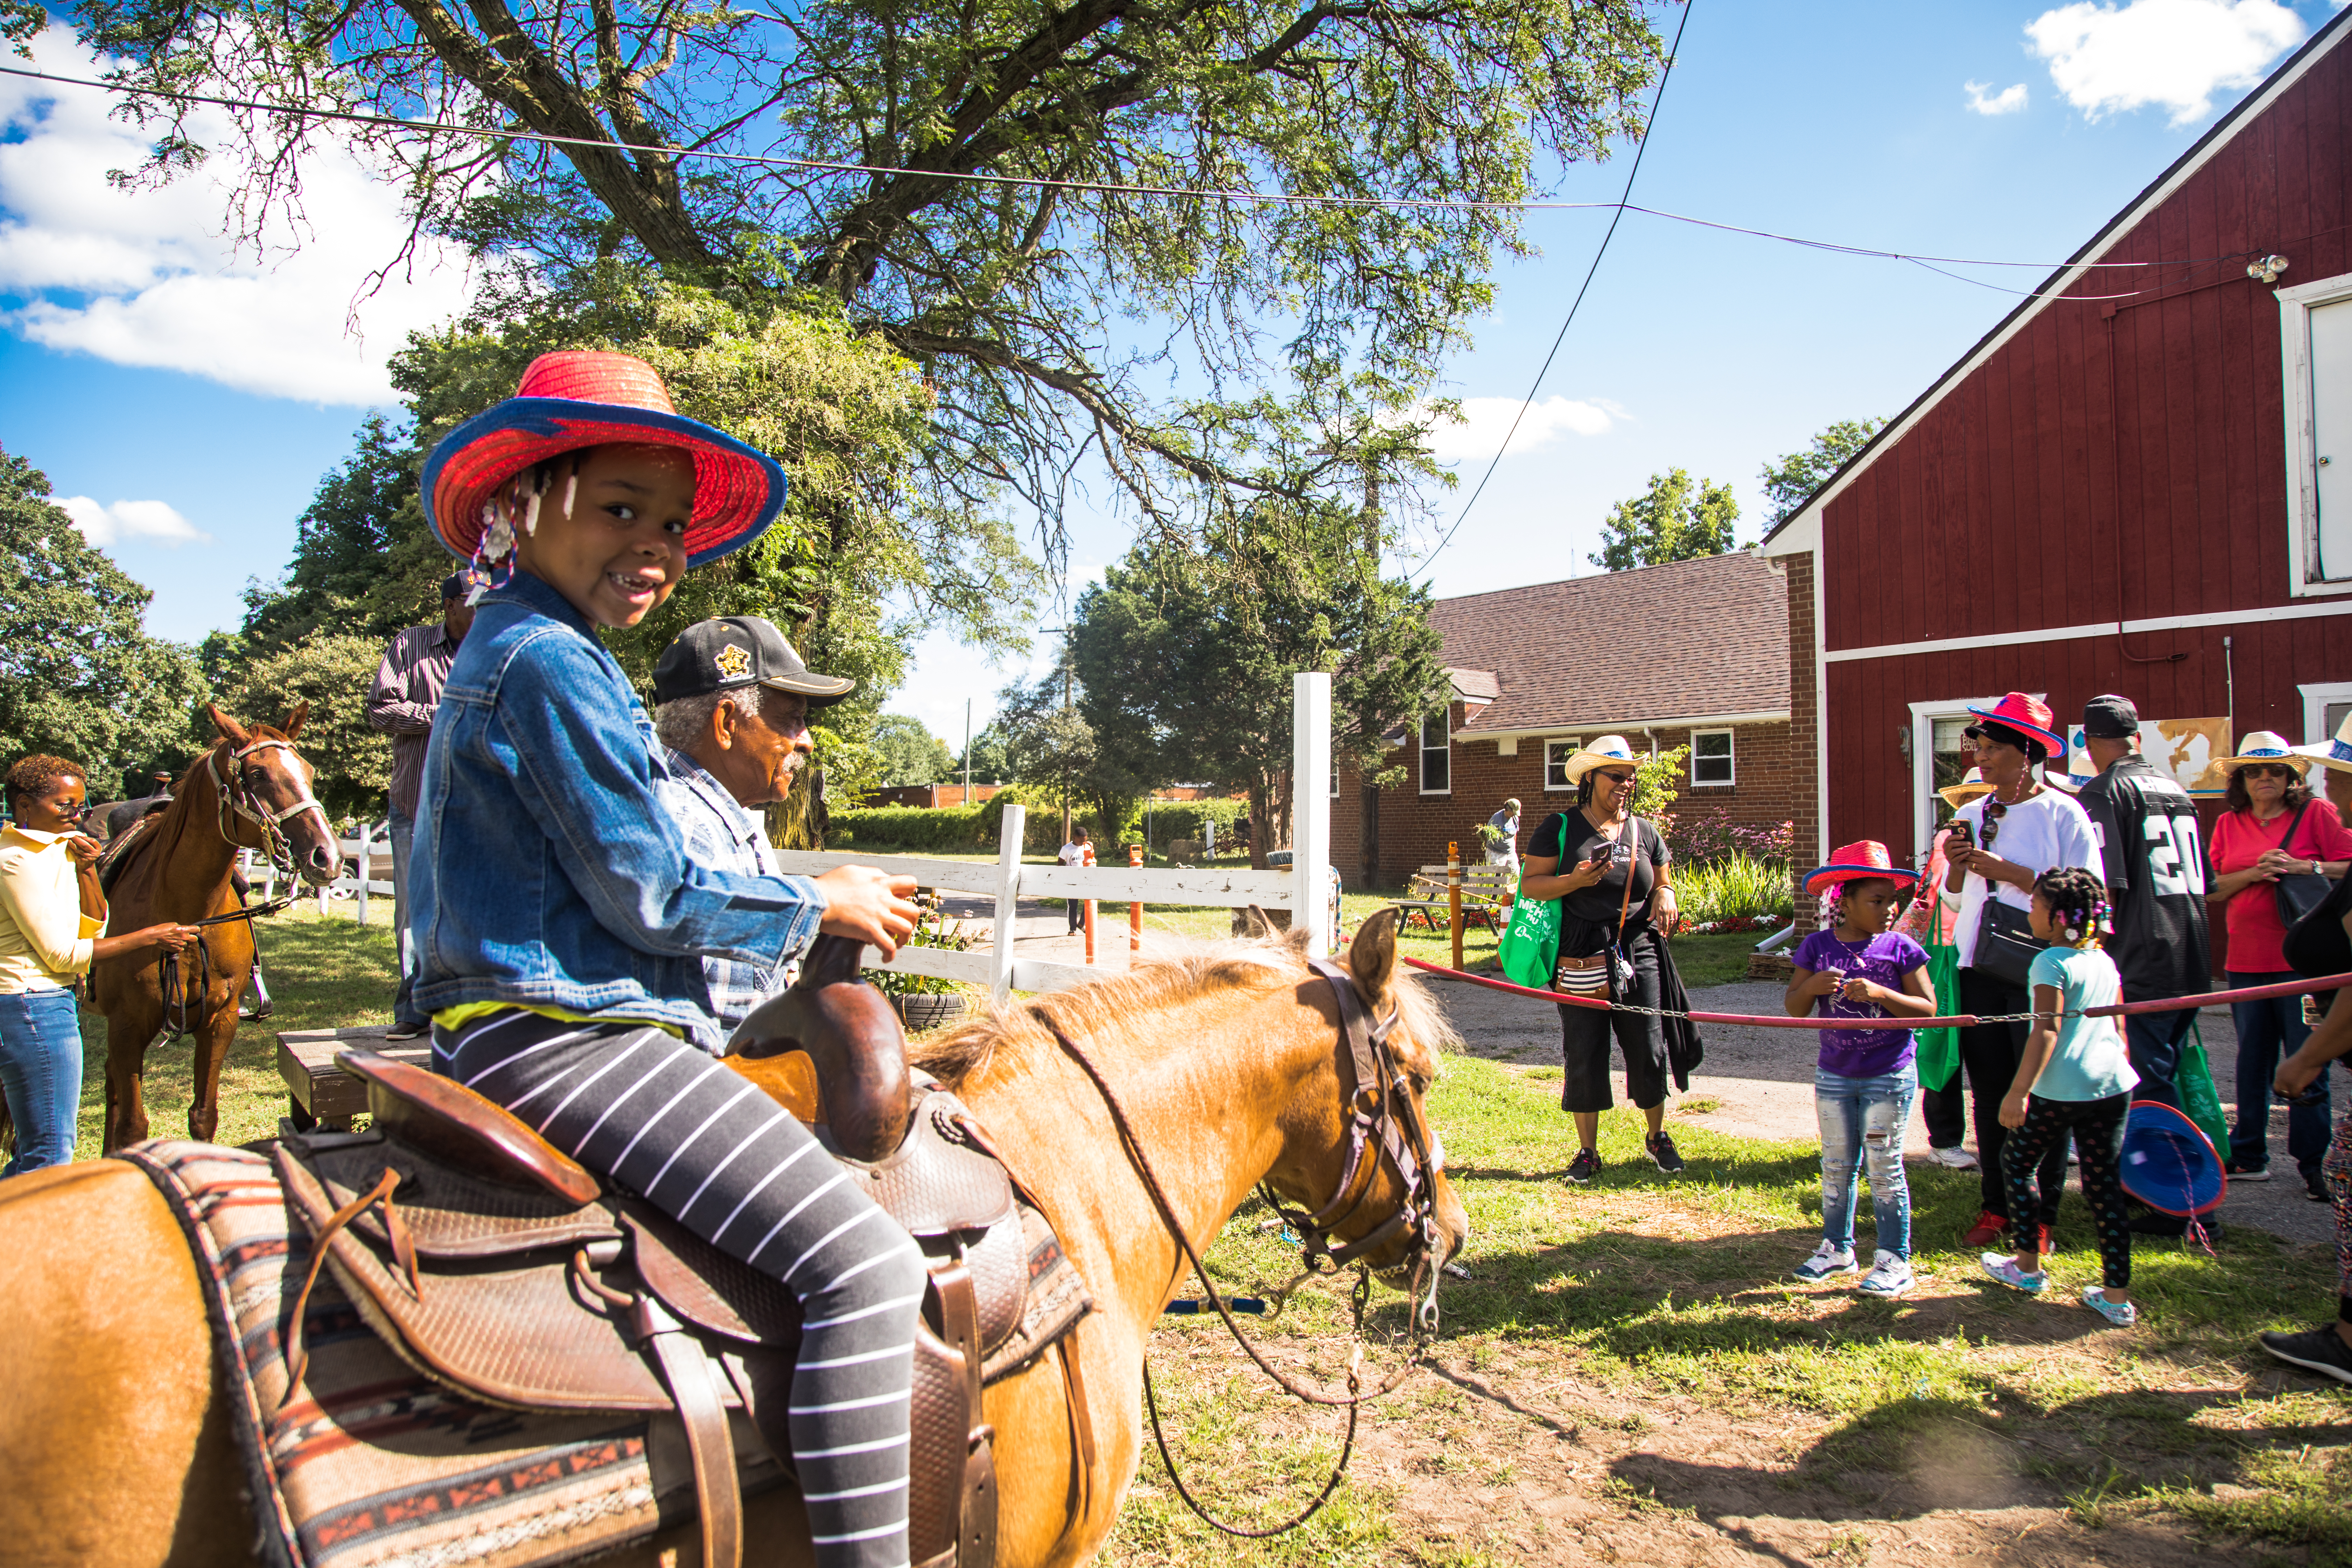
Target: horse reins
(1378,1103)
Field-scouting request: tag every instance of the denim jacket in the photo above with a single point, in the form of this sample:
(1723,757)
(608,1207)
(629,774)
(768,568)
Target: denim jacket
(548,872)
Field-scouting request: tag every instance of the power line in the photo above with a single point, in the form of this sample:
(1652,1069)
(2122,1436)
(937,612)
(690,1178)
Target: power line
(1673,52)
(1110,187)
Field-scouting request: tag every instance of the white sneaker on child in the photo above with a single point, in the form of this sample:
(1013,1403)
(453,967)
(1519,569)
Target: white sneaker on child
(1889,1275)
(1828,1259)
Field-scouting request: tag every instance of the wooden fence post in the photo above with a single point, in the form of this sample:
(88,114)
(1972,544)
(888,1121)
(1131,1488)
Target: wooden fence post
(1008,897)
(1135,909)
(1453,897)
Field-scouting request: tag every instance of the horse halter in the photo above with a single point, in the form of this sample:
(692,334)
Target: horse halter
(235,795)
(1383,1120)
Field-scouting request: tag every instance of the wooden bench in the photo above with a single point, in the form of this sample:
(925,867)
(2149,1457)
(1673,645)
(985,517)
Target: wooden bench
(1486,895)
(321,1094)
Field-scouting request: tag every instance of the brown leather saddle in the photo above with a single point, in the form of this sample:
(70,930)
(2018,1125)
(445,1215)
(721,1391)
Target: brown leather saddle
(494,1264)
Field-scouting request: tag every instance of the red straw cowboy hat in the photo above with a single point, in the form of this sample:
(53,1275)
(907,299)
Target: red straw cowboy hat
(570,401)
(1852,861)
(2028,716)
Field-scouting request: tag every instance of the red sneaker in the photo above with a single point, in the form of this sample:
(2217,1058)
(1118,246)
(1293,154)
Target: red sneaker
(1987,1230)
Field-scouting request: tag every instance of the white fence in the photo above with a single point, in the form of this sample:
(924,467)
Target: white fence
(359,853)
(1303,889)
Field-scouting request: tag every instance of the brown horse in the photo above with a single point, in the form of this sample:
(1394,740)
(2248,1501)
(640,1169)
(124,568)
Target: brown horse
(115,1431)
(250,791)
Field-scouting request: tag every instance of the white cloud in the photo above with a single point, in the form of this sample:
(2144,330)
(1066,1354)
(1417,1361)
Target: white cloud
(2007,100)
(149,278)
(106,526)
(2176,53)
(1486,420)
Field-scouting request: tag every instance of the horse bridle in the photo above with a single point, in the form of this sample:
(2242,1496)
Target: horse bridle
(236,796)
(1383,1121)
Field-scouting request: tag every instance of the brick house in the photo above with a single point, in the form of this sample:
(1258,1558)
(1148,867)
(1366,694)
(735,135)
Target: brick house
(1694,653)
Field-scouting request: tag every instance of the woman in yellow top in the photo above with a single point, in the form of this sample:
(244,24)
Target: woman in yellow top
(50,915)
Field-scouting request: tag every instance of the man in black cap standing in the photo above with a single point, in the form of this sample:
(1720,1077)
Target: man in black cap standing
(407,690)
(2157,875)
(732,706)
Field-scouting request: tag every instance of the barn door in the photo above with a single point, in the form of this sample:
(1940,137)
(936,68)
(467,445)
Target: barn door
(2331,430)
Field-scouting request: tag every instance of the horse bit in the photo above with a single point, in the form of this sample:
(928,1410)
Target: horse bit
(233,795)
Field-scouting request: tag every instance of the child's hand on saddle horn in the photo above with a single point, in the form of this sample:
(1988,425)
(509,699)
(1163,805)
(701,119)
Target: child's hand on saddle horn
(867,904)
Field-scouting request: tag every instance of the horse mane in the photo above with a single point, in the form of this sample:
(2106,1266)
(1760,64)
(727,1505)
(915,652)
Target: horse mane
(1177,973)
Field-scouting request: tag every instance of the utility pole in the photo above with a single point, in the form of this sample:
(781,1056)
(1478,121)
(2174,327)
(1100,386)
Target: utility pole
(1368,818)
(967,751)
(1064,633)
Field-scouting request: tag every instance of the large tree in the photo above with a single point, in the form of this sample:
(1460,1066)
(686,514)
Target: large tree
(1052,747)
(908,752)
(80,677)
(1671,520)
(1022,200)
(1792,481)
(1185,657)
(331,671)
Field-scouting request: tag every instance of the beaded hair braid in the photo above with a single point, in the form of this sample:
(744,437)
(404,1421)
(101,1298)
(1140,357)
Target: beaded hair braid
(2079,901)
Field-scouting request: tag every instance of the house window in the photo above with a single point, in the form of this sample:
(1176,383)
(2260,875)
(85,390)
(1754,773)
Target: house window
(1710,759)
(1437,755)
(2316,338)
(1556,755)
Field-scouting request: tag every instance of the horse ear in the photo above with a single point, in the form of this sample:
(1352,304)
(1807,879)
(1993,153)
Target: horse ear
(1371,959)
(231,731)
(292,726)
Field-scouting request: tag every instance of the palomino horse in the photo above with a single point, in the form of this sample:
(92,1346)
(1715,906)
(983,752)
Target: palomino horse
(251,790)
(115,1430)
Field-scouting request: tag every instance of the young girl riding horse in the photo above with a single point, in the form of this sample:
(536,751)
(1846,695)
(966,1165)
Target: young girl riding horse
(559,924)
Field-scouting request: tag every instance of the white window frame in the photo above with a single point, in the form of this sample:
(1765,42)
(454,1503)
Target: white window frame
(1444,720)
(1733,758)
(1571,742)
(2316,695)
(2296,306)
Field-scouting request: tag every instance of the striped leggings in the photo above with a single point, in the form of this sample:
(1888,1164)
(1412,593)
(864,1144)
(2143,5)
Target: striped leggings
(672,1125)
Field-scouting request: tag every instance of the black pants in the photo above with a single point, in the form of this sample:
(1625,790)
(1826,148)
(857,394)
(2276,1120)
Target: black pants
(1945,1110)
(2153,1041)
(2097,1127)
(1989,1053)
(1585,1034)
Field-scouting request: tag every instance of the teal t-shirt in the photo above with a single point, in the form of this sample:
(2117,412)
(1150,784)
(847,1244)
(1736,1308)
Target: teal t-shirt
(2089,1062)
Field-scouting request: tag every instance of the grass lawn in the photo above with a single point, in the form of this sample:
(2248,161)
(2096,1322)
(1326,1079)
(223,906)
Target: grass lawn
(1630,1376)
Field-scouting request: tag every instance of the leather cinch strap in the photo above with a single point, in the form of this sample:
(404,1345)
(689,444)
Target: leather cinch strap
(693,1382)
(960,1324)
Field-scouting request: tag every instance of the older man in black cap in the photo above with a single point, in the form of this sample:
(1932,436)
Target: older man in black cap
(733,702)
(2157,875)
(406,692)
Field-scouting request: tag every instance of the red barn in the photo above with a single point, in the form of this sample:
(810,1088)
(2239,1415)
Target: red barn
(2140,481)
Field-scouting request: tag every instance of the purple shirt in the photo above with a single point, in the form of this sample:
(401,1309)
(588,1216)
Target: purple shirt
(407,690)
(1885,960)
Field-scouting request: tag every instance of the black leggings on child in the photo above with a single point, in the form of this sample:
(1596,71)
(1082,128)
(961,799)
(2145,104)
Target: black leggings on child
(2098,1129)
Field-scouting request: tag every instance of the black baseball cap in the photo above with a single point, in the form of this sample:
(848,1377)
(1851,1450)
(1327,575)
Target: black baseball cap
(456,586)
(740,650)
(2110,718)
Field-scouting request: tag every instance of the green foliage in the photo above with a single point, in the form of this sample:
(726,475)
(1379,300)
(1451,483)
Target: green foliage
(1654,778)
(1050,744)
(987,759)
(331,671)
(1732,885)
(1792,481)
(910,754)
(1668,522)
(80,677)
(1169,820)
(911,829)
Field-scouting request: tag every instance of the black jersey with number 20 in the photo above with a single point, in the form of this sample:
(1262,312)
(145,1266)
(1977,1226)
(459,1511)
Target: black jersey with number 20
(2157,875)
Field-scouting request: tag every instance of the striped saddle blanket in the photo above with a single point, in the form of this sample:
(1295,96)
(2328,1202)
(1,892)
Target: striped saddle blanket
(373,1465)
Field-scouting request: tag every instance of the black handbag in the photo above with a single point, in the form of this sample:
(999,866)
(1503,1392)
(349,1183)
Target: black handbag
(2006,944)
(2305,890)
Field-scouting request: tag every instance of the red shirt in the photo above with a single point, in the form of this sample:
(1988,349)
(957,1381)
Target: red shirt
(2256,932)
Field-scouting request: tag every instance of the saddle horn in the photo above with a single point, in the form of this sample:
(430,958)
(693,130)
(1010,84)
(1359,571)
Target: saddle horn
(852,1036)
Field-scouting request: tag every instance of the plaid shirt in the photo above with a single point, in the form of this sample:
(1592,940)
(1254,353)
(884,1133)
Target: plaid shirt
(722,835)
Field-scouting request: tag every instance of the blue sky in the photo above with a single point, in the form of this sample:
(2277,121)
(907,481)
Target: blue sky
(189,399)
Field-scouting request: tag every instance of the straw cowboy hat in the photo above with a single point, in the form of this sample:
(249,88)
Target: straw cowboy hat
(2029,717)
(2335,754)
(1584,759)
(1968,789)
(2264,746)
(568,402)
(1850,862)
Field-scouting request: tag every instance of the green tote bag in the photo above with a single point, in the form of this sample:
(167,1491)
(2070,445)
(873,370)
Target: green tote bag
(1939,1050)
(1530,945)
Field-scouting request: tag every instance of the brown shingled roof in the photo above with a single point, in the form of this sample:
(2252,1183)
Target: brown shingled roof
(1692,639)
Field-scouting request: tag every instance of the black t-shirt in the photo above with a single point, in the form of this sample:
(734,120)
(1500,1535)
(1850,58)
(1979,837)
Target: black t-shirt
(1600,903)
(2153,852)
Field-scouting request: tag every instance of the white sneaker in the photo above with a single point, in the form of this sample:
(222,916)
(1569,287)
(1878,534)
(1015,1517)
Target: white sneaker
(1954,1158)
(1827,1259)
(1889,1275)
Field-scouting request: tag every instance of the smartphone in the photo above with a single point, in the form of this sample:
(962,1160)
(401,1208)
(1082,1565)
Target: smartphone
(1963,837)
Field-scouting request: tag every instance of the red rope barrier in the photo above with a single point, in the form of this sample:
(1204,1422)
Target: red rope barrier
(1956,1021)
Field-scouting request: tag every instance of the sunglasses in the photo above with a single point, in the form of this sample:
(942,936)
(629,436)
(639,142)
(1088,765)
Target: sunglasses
(1615,778)
(2266,771)
(1993,812)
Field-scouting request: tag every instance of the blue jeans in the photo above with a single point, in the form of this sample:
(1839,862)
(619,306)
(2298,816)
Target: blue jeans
(1863,1120)
(2152,1041)
(2268,1031)
(40,1068)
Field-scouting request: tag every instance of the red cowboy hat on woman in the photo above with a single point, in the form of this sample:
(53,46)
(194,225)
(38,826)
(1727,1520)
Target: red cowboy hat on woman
(2029,717)
(569,402)
(1852,862)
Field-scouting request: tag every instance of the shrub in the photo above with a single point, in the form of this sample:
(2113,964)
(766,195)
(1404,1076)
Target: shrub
(1172,819)
(1704,837)
(1732,887)
(912,828)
